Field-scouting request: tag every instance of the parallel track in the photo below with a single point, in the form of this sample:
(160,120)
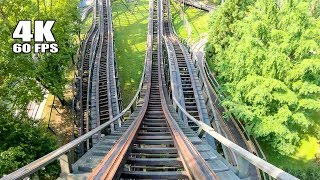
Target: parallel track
(84,73)
(154,142)
(99,92)
(84,79)
(189,97)
(107,104)
(105,95)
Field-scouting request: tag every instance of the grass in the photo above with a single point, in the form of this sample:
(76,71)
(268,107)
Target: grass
(130,21)
(178,24)
(208,2)
(197,19)
(304,158)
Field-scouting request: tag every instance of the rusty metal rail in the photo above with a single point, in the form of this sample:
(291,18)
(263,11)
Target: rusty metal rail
(153,145)
(54,155)
(186,87)
(251,158)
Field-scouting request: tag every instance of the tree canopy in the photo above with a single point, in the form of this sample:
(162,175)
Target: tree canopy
(266,56)
(23,76)
(23,141)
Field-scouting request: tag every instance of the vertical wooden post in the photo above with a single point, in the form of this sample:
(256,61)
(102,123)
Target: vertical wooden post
(243,167)
(65,165)
(200,132)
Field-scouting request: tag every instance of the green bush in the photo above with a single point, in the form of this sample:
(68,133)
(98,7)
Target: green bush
(23,141)
(311,173)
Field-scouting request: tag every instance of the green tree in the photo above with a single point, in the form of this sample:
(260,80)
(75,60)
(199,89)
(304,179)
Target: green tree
(23,77)
(267,59)
(221,24)
(23,141)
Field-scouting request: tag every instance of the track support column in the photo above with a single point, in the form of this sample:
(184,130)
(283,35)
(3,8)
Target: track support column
(243,167)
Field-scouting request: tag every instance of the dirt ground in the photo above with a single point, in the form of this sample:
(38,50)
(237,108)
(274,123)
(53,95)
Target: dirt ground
(59,119)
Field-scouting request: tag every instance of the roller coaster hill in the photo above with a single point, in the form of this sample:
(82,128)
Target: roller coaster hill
(172,129)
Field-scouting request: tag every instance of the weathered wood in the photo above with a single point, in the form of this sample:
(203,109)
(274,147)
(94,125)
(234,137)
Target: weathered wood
(155,161)
(156,175)
(155,150)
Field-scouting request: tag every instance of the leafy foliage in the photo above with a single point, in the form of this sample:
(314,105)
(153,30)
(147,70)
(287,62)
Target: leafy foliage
(23,78)
(312,173)
(23,141)
(266,54)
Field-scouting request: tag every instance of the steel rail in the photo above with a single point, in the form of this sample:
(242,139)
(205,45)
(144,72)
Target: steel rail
(109,165)
(195,164)
(176,88)
(221,126)
(173,36)
(272,170)
(111,59)
(75,76)
(90,35)
(43,161)
(92,56)
(250,143)
(86,11)
(232,135)
(108,68)
(97,66)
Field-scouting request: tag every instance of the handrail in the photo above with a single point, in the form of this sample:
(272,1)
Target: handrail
(43,161)
(38,164)
(272,170)
(217,119)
